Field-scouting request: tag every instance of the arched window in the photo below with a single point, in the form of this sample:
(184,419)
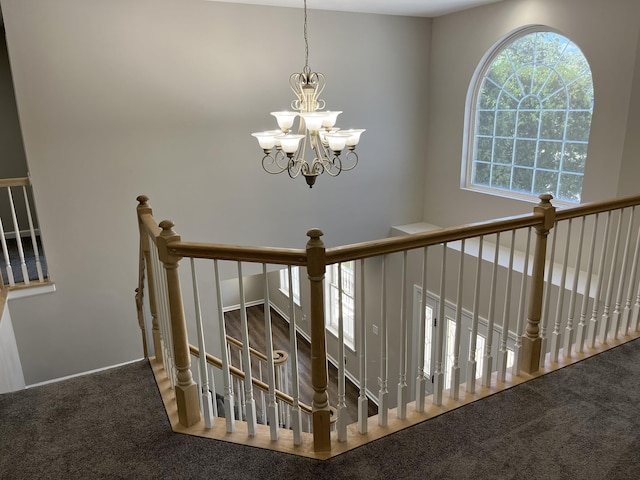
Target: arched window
(529,118)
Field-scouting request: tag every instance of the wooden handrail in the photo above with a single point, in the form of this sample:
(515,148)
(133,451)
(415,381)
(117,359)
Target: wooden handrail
(356,251)
(280,356)
(384,246)
(236,372)
(15,182)
(597,207)
(281,256)
(149,224)
(297,257)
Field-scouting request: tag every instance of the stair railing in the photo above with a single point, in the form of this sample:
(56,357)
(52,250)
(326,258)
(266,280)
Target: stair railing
(436,261)
(17,220)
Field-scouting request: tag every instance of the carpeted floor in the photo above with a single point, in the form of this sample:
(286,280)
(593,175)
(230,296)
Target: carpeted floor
(582,422)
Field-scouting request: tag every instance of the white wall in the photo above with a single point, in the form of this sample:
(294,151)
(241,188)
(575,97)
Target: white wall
(607,33)
(121,98)
(11,376)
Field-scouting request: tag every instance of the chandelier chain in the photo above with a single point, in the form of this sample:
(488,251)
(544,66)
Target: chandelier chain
(306,41)
(332,149)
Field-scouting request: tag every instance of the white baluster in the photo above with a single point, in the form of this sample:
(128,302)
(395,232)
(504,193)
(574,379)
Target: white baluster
(249,401)
(581,335)
(205,397)
(403,391)
(363,402)
(635,321)
(441,323)
(342,405)
(16,229)
(7,260)
(556,335)
(296,423)
(421,381)
(455,367)
(487,362)
(629,321)
(593,323)
(212,387)
(544,320)
(383,393)
(517,348)
(472,363)
(568,331)
(262,418)
(34,240)
(272,408)
(503,351)
(226,372)
(606,318)
(617,311)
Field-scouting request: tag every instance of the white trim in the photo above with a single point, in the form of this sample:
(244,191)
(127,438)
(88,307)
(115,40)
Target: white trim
(23,234)
(370,395)
(252,303)
(31,291)
(82,374)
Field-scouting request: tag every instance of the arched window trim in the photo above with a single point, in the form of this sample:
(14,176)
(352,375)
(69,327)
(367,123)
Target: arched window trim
(470,115)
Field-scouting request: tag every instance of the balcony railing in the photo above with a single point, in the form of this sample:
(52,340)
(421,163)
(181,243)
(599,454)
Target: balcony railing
(532,309)
(22,261)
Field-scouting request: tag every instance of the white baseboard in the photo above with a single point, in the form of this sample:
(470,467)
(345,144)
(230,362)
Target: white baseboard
(81,374)
(253,303)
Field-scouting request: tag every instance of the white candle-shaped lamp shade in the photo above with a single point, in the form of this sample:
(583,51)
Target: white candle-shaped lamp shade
(337,140)
(313,120)
(267,140)
(354,136)
(290,143)
(330,120)
(285,119)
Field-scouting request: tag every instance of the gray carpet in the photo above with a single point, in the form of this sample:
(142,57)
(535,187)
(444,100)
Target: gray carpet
(582,422)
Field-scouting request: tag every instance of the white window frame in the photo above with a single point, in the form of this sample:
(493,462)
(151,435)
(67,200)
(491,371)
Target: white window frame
(433,306)
(348,301)
(469,147)
(284,283)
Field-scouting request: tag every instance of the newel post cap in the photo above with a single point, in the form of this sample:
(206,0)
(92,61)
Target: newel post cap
(546,208)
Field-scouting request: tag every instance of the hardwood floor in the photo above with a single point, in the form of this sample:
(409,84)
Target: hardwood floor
(280,335)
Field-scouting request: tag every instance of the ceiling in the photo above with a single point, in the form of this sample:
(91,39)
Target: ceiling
(413,8)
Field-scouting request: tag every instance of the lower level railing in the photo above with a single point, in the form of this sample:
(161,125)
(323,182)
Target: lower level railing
(438,318)
(22,261)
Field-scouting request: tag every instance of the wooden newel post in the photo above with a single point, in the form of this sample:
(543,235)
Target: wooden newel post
(186,390)
(316,268)
(531,341)
(144,209)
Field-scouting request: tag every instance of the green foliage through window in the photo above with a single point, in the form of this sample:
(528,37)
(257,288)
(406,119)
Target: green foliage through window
(533,118)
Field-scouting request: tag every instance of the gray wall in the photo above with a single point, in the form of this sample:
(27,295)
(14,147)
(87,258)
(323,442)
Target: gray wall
(13,162)
(160,97)
(607,33)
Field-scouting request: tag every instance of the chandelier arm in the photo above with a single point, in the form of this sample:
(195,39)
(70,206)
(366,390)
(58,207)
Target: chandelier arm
(351,156)
(269,161)
(295,167)
(334,164)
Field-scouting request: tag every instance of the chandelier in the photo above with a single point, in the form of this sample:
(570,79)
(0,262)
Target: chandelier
(317,135)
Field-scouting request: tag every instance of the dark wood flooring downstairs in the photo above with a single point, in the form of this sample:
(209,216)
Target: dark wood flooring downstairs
(280,335)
